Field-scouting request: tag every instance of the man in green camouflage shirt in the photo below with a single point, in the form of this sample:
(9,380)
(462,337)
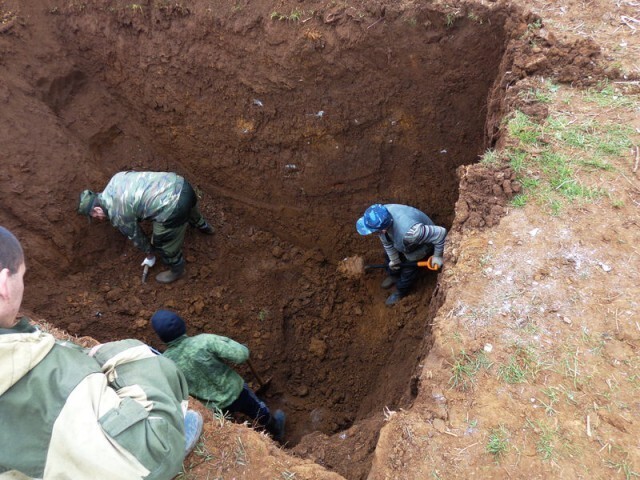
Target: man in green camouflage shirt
(202,358)
(165,198)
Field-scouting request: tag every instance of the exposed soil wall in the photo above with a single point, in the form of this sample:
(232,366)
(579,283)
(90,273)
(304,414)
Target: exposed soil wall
(290,128)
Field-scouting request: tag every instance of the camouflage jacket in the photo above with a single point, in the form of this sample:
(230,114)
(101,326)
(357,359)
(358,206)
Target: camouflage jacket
(201,360)
(131,197)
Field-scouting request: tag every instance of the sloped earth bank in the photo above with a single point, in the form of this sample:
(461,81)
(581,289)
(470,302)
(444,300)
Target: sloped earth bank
(290,119)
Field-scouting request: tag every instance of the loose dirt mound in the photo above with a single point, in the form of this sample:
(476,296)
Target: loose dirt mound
(352,267)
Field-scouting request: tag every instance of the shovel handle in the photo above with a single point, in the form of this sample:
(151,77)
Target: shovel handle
(145,273)
(255,374)
(421,263)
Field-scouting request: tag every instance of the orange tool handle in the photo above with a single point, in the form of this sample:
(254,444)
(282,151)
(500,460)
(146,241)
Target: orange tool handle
(429,265)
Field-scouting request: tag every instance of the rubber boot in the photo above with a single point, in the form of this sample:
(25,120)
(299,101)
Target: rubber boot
(168,276)
(207,229)
(393,299)
(276,425)
(389,281)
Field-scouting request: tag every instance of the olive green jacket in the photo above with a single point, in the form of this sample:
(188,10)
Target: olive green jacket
(64,414)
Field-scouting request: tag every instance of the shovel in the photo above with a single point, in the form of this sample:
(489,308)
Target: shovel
(145,273)
(262,385)
(421,263)
(354,267)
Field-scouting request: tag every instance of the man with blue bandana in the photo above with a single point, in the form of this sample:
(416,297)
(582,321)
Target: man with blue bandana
(407,235)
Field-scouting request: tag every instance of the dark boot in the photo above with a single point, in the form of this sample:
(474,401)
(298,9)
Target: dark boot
(276,425)
(207,229)
(393,299)
(168,276)
(389,281)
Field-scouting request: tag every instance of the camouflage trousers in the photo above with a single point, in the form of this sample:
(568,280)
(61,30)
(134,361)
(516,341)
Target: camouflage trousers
(168,237)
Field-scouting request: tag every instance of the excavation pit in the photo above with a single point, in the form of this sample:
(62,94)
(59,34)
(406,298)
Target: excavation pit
(289,128)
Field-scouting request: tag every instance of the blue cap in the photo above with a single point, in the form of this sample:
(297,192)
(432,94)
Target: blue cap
(375,218)
(168,325)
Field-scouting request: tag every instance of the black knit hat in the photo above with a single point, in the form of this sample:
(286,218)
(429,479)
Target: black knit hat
(168,325)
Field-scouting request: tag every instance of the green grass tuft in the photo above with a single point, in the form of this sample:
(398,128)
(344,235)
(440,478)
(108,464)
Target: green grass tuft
(465,367)
(498,444)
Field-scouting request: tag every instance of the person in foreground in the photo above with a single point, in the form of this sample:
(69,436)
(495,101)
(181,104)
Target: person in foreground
(165,198)
(116,411)
(408,236)
(201,358)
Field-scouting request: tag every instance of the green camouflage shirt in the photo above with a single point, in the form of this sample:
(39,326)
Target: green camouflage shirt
(131,197)
(200,359)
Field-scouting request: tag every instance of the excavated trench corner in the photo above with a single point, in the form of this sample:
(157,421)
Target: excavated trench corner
(289,130)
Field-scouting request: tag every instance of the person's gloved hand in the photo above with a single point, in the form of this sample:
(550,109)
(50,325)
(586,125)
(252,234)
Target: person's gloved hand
(394,264)
(435,262)
(149,261)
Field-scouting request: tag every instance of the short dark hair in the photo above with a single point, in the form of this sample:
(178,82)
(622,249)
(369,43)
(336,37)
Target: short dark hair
(11,254)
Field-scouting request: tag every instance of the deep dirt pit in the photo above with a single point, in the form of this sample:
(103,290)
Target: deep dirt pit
(290,128)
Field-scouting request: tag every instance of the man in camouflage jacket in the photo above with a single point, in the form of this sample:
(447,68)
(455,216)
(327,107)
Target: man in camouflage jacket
(165,198)
(115,412)
(202,360)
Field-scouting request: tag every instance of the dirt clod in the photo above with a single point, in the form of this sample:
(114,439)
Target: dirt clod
(352,267)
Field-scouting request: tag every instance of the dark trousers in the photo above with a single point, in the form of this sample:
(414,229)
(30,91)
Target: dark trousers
(407,275)
(168,236)
(250,405)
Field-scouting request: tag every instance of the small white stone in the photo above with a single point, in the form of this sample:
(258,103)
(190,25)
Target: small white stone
(488,347)
(534,232)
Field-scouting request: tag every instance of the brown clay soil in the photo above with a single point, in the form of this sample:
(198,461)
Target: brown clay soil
(292,117)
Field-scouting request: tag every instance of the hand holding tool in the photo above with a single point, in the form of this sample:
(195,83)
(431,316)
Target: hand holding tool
(395,265)
(434,263)
(147,263)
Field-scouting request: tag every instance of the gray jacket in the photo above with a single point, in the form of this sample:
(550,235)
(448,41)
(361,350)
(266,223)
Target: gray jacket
(412,233)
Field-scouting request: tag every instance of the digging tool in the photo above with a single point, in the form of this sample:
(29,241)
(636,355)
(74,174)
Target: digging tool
(354,267)
(147,263)
(262,385)
(422,263)
(145,273)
